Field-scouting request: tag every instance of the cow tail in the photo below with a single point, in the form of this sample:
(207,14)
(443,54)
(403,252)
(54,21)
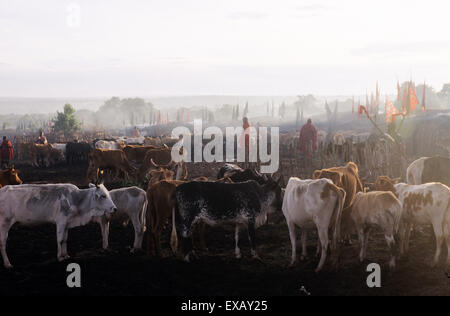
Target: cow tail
(338,210)
(174,235)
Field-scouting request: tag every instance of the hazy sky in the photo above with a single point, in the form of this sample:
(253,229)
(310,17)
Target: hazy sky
(176,47)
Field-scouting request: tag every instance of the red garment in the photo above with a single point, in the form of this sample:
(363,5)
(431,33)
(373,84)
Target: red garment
(6,151)
(308,140)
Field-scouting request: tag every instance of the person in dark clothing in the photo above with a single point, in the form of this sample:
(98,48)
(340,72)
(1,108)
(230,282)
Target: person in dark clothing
(6,153)
(308,144)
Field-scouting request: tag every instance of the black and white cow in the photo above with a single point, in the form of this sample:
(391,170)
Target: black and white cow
(242,204)
(62,204)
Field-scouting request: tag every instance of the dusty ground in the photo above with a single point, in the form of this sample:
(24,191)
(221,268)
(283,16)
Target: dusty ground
(33,252)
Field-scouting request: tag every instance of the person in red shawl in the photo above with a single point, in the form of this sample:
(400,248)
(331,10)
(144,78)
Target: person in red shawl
(6,153)
(308,143)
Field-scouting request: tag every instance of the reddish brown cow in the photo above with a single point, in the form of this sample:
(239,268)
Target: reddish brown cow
(9,177)
(101,159)
(137,153)
(347,178)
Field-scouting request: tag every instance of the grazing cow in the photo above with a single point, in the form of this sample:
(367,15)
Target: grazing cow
(346,178)
(314,203)
(100,159)
(77,152)
(10,177)
(137,153)
(131,201)
(62,204)
(159,156)
(244,204)
(429,169)
(381,209)
(422,204)
(237,174)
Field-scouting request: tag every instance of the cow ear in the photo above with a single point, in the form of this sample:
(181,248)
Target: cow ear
(396,180)
(92,185)
(317,174)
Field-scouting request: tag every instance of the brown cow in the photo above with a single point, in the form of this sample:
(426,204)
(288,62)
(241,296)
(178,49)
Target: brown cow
(137,153)
(159,156)
(10,177)
(347,178)
(100,159)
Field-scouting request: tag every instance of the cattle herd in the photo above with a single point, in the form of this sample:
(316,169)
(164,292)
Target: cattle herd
(335,202)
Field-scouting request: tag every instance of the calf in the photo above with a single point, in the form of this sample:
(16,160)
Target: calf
(10,177)
(131,201)
(381,209)
(62,204)
(243,204)
(422,204)
(314,203)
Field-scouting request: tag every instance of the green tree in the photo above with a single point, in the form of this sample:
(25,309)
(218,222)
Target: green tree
(66,121)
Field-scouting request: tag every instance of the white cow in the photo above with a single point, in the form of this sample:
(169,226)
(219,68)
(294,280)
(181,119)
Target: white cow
(376,209)
(105,144)
(62,204)
(311,204)
(60,147)
(424,204)
(131,201)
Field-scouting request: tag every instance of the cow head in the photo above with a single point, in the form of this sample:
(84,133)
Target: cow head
(384,183)
(162,172)
(56,155)
(12,176)
(101,204)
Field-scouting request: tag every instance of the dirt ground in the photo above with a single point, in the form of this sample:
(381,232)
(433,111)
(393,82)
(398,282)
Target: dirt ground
(32,251)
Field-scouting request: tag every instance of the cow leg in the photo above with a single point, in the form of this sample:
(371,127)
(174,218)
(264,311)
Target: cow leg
(138,233)
(366,241)
(251,238)
(3,239)
(323,236)
(409,228)
(304,255)
(237,251)
(293,237)
(104,226)
(64,244)
(390,240)
(60,235)
(201,230)
(439,234)
(318,247)
(361,238)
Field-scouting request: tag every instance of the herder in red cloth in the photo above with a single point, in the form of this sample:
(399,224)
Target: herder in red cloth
(6,153)
(308,143)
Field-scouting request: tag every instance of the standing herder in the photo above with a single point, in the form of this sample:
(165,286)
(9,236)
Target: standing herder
(308,144)
(6,152)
